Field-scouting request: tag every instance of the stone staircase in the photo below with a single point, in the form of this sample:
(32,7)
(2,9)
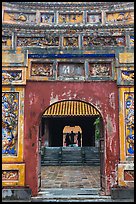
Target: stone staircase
(70,156)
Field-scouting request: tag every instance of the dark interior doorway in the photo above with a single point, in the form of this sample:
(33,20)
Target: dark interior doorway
(52,129)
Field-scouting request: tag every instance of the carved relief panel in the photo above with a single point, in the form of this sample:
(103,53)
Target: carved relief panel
(103,41)
(70,41)
(18,17)
(120,17)
(46,18)
(38,41)
(94,18)
(70,70)
(10,175)
(100,70)
(6,41)
(125,76)
(42,69)
(70,18)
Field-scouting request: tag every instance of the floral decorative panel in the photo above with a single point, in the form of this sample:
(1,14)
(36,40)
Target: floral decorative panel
(9,76)
(70,18)
(10,104)
(103,41)
(127,75)
(94,18)
(121,17)
(47,18)
(8,175)
(100,69)
(41,69)
(70,70)
(70,41)
(38,41)
(129,123)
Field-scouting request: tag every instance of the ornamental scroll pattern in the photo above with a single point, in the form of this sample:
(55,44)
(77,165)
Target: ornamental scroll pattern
(42,69)
(129,123)
(38,41)
(103,41)
(10,175)
(10,103)
(99,69)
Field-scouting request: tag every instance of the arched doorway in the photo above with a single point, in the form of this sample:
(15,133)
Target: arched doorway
(73,114)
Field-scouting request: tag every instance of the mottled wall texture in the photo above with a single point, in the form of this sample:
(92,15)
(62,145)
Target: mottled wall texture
(55,51)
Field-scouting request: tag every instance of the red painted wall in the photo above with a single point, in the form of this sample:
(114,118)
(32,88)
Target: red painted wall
(39,95)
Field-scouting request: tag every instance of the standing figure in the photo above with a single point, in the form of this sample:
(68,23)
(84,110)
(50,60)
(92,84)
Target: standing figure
(72,134)
(67,139)
(79,139)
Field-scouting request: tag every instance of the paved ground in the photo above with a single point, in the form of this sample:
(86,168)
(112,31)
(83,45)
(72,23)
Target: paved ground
(70,177)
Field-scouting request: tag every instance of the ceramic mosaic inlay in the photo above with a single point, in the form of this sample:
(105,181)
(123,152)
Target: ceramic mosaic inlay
(94,18)
(10,103)
(120,17)
(9,76)
(127,75)
(129,123)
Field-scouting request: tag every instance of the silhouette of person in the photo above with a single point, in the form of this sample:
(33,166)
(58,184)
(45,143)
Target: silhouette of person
(67,139)
(72,134)
(79,139)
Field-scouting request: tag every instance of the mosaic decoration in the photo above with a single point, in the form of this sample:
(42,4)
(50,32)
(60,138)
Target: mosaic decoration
(8,175)
(42,69)
(47,18)
(129,123)
(6,41)
(120,17)
(127,75)
(103,41)
(70,41)
(100,69)
(129,175)
(38,41)
(132,40)
(9,76)
(94,18)
(20,17)
(10,103)
(71,70)
(70,18)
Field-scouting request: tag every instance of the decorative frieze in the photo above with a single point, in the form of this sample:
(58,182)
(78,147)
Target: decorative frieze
(120,17)
(100,70)
(38,41)
(10,113)
(103,41)
(13,16)
(41,69)
(70,18)
(129,123)
(70,41)
(70,70)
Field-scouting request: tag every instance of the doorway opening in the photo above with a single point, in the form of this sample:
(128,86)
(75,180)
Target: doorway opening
(61,119)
